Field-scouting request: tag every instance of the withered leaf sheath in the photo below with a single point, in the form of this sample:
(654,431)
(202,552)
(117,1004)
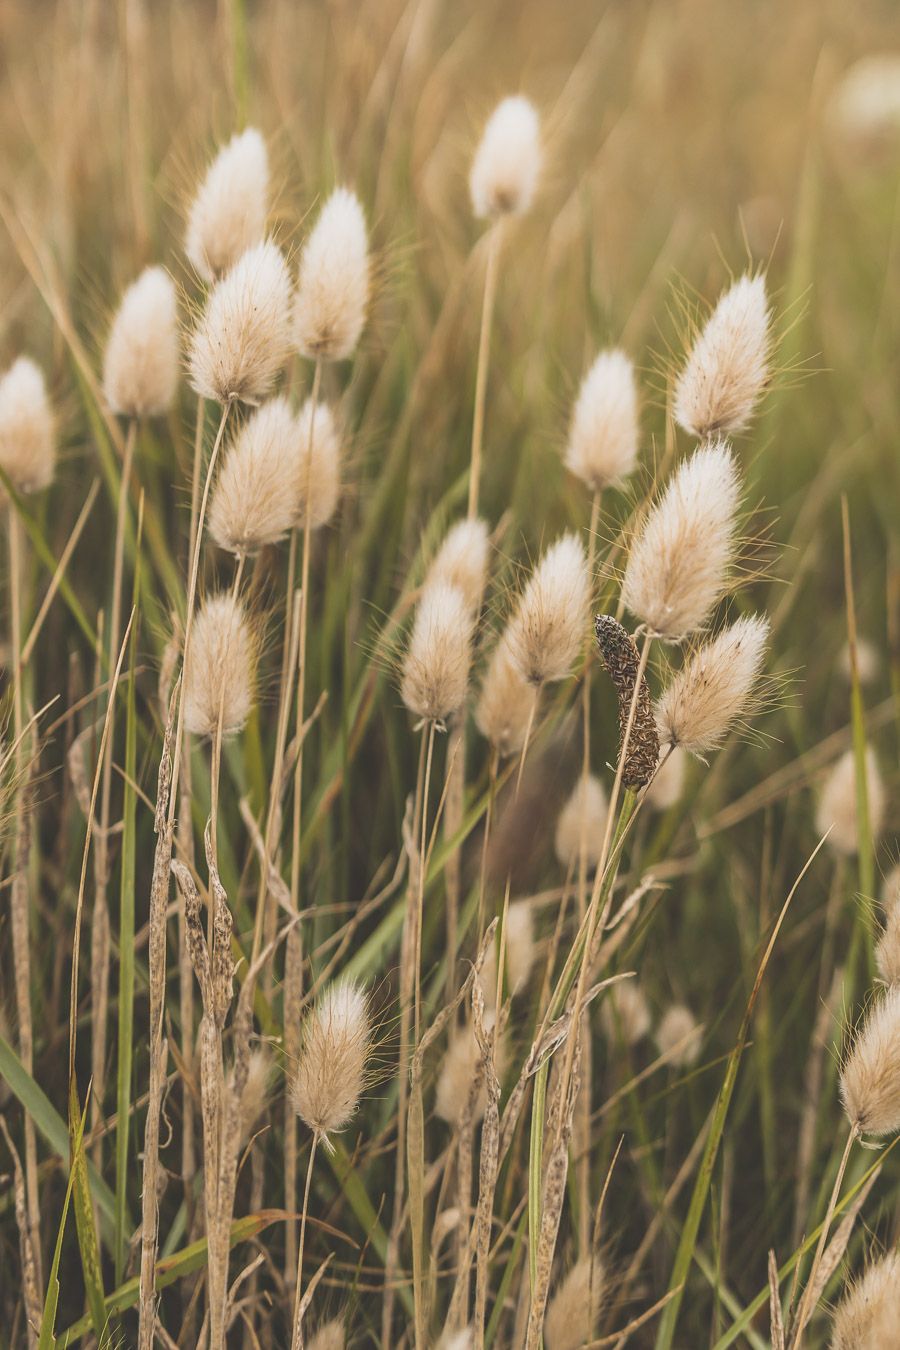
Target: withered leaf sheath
(621,661)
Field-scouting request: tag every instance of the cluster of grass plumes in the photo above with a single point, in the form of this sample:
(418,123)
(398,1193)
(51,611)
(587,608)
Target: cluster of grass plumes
(426,922)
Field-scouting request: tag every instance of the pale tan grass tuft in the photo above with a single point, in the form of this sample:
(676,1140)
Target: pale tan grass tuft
(837,809)
(27,431)
(260,1077)
(679,1036)
(582,821)
(507,162)
(140,364)
(242,338)
(624,1013)
(228,214)
(868,1316)
(714,690)
(461,1069)
(679,565)
(331,1336)
(255,498)
(519,955)
(603,435)
(546,632)
(506,702)
(870,1077)
(333,281)
(437,661)
(221,667)
(729,363)
(332,1067)
(573,1310)
(462,561)
(667,784)
(887,948)
(318,466)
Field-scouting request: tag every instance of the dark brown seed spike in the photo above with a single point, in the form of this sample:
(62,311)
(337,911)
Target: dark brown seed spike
(621,661)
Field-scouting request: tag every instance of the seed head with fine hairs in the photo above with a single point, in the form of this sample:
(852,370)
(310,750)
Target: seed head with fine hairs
(837,809)
(582,817)
(331,1336)
(573,1310)
(462,560)
(624,1013)
(505,704)
(679,1036)
(678,566)
(140,365)
(260,1074)
(518,957)
(870,1078)
(887,948)
(460,1069)
(603,435)
(667,784)
(254,500)
(333,282)
(243,336)
(228,214)
(317,468)
(27,431)
(715,688)
(332,1067)
(221,667)
(546,631)
(436,665)
(507,163)
(728,366)
(868,1316)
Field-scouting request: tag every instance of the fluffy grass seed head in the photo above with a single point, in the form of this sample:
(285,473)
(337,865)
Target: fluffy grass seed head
(679,1036)
(317,469)
(228,214)
(260,1075)
(27,431)
(459,1069)
(837,803)
(505,702)
(714,689)
(507,163)
(519,955)
(243,337)
(333,283)
(624,1013)
(666,787)
(678,566)
(332,1067)
(603,435)
(868,661)
(547,630)
(462,561)
(729,364)
(870,1078)
(331,1336)
(140,364)
(435,672)
(887,948)
(584,814)
(254,500)
(868,1316)
(221,667)
(575,1306)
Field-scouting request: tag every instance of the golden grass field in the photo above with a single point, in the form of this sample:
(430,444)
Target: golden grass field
(209,1088)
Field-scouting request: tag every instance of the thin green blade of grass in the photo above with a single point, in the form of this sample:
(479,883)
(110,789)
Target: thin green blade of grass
(84,1223)
(47,1337)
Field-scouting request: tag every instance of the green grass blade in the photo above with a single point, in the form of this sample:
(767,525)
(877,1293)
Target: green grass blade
(84,1223)
(47,1338)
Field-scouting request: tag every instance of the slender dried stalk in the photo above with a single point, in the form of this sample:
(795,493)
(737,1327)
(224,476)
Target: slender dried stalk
(807,1303)
(30,1286)
(297,1332)
(495,239)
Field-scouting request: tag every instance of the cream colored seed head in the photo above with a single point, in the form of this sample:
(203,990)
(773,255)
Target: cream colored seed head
(256,1090)
(715,688)
(887,948)
(243,337)
(437,661)
(603,436)
(456,1340)
(27,431)
(506,702)
(507,163)
(678,1036)
(461,1065)
(140,365)
(335,1045)
(870,1078)
(868,661)
(665,789)
(574,1308)
(624,1013)
(868,1316)
(679,565)
(331,1336)
(518,957)
(582,818)
(221,667)
(254,500)
(547,630)
(228,214)
(317,469)
(462,561)
(333,284)
(728,366)
(837,810)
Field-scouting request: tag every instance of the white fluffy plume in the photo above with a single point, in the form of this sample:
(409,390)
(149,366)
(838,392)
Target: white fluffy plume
(140,364)
(507,163)
(333,282)
(436,665)
(714,690)
(27,431)
(603,435)
(228,214)
(728,366)
(255,501)
(547,628)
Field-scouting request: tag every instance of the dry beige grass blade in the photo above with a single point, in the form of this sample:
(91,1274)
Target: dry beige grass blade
(59,572)
(30,1287)
(776,1322)
(489,1161)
